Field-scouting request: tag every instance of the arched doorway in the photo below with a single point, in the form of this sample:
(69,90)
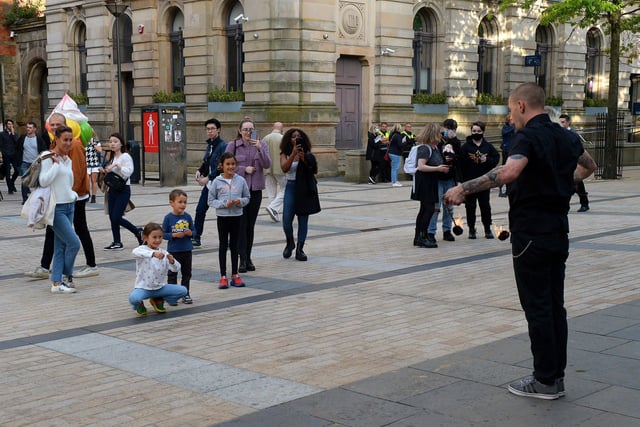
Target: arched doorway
(37,100)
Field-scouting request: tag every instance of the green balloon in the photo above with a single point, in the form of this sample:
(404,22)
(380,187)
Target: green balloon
(86,132)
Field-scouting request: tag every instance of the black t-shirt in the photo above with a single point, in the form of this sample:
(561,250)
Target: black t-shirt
(539,197)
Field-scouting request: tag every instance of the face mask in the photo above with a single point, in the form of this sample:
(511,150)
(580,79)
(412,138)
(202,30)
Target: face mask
(477,136)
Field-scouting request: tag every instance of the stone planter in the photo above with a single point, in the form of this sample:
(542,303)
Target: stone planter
(224,107)
(594,111)
(493,109)
(558,110)
(431,108)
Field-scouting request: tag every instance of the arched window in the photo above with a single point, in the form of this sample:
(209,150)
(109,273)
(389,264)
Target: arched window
(593,78)
(124,30)
(543,49)
(235,55)
(177,50)
(81,40)
(487,57)
(424,53)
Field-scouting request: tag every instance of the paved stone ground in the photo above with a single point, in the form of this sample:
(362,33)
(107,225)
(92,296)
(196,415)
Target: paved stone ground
(369,332)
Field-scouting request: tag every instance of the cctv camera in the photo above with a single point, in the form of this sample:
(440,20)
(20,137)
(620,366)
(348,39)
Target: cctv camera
(240,19)
(12,34)
(388,51)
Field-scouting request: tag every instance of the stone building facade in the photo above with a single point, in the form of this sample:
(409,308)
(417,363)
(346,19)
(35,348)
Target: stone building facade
(330,66)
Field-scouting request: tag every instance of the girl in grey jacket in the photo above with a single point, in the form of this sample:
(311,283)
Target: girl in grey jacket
(228,194)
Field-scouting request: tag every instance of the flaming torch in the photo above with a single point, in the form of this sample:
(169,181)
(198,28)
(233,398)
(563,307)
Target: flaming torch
(501,232)
(457,226)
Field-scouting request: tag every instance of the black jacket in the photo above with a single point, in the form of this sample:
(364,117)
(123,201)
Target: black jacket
(470,164)
(42,145)
(307,201)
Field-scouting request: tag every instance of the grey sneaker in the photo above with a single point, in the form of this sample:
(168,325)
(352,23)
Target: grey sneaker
(38,273)
(68,281)
(275,216)
(560,384)
(530,387)
(87,271)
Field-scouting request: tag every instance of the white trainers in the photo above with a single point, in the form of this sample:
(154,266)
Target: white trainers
(86,271)
(38,273)
(396,184)
(62,289)
(275,216)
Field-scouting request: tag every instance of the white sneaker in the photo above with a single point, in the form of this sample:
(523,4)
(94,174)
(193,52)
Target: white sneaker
(275,216)
(396,184)
(38,273)
(62,289)
(87,271)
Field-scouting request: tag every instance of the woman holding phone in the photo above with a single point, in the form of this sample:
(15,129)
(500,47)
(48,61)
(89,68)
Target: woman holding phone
(301,192)
(252,157)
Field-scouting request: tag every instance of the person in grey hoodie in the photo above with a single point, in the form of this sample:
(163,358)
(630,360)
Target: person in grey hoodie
(228,194)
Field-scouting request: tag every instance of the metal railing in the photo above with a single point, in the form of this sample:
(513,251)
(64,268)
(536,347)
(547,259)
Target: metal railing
(594,141)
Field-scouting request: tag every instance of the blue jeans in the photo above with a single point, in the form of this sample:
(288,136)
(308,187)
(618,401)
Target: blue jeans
(169,293)
(289,212)
(117,203)
(66,243)
(395,166)
(447,210)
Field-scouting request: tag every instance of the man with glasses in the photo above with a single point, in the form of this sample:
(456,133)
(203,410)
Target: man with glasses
(206,173)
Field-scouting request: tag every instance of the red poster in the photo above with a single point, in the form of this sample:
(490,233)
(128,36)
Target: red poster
(150,133)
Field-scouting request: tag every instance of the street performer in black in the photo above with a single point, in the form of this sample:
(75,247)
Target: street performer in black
(544,163)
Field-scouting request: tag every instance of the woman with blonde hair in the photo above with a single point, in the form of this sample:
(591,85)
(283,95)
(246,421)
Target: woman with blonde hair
(430,168)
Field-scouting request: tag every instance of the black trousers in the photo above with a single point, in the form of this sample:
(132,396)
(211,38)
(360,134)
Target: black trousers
(184,258)
(539,263)
(248,224)
(424,216)
(228,235)
(11,161)
(374,170)
(81,229)
(482,199)
(201,212)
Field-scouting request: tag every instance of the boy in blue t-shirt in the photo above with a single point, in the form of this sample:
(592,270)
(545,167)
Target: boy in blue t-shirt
(177,229)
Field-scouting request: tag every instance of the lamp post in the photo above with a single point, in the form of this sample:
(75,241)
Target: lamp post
(117,9)
(239,39)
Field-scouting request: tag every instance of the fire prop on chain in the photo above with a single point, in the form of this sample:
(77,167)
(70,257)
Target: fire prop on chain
(501,232)
(457,226)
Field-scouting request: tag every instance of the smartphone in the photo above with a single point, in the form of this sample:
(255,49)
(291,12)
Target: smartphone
(254,134)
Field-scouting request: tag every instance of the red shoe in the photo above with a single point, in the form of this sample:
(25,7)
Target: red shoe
(224,283)
(236,281)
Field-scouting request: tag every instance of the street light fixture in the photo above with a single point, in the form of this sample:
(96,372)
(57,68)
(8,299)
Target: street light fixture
(239,39)
(117,9)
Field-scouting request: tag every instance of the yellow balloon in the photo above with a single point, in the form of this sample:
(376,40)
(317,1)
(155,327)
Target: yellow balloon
(75,128)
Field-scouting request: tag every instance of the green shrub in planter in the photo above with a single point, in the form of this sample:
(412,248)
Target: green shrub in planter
(80,98)
(163,97)
(429,98)
(220,94)
(489,99)
(554,101)
(594,102)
